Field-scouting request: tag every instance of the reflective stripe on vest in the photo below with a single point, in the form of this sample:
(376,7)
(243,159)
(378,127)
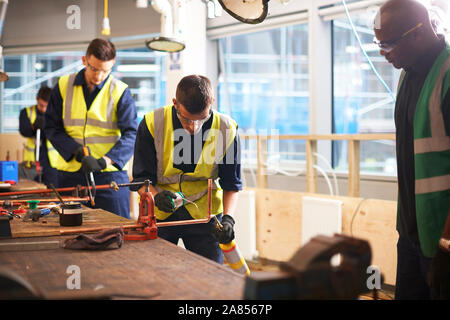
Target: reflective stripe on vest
(194,184)
(97,127)
(30,145)
(439,141)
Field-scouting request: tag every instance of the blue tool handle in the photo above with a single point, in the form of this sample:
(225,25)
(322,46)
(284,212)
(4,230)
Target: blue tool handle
(45,212)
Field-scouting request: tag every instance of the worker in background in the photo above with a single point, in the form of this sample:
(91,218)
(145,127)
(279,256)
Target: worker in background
(179,147)
(30,120)
(408,41)
(93,109)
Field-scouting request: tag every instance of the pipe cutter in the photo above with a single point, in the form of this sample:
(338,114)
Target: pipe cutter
(147,227)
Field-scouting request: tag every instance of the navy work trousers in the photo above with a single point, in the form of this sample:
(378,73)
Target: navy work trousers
(49,176)
(412,272)
(117,202)
(197,238)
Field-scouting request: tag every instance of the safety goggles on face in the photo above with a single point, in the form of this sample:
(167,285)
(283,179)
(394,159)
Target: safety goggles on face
(196,123)
(95,70)
(388,46)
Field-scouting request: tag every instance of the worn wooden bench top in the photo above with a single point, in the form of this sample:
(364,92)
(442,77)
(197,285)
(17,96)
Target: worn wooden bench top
(152,269)
(93,219)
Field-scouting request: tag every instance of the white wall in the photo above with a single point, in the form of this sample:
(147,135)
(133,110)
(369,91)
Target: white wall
(41,26)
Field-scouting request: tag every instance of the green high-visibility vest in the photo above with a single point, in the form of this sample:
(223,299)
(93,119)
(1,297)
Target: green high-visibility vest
(432,156)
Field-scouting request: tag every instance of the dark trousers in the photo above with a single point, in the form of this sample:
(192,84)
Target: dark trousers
(50,176)
(412,272)
(197,238)
(117,202)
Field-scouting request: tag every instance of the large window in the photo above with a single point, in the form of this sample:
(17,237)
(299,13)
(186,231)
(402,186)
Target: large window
(264,84)
(145,74)
(27,73)
(142,70)
(361,103)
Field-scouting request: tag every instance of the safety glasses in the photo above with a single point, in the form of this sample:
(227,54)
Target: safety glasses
(197,123)
(389,45)
(95,70)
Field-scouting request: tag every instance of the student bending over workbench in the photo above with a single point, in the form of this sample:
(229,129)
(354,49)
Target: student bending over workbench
(179,147)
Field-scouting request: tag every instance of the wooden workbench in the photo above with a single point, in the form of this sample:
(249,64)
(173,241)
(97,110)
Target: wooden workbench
(23,184)
(26,184)
(93,219)
(152,269)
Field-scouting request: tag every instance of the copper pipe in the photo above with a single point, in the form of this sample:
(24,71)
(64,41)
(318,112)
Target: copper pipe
(68,189)
(196,221)
(158,224)
(112,185)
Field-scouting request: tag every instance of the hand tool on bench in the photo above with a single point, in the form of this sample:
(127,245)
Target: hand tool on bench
(7,209)
(90,179)
(38,147)
(33,212)
(57,193)
(147,229)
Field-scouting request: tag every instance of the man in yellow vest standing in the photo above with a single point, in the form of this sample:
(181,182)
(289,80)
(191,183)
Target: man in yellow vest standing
(30,120)
(93,109)
(178,148)
(408,40)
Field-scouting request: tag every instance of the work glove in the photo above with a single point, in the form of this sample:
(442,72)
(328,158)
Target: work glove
(439,274)
(168,201)
(226,233)
(79,154)
(39,123)
(90,164)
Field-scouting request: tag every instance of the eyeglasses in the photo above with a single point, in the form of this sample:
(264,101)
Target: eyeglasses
(197,123)
(94,69)
(389,45)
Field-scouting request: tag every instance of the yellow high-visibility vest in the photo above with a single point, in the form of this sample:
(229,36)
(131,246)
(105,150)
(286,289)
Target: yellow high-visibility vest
(95,128)
(29,154)
(30,145)
(194,185)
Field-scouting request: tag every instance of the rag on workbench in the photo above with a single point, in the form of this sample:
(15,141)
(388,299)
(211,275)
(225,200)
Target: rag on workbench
(99,241)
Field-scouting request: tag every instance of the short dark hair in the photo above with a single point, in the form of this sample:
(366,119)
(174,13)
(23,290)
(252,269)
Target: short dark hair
(102,49)
(195,93)
(44,93)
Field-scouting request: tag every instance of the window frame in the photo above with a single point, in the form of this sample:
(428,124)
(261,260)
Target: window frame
(319,15)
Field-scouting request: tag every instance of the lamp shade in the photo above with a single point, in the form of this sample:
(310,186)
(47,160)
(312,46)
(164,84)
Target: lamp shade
(165,44)
(247,11)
